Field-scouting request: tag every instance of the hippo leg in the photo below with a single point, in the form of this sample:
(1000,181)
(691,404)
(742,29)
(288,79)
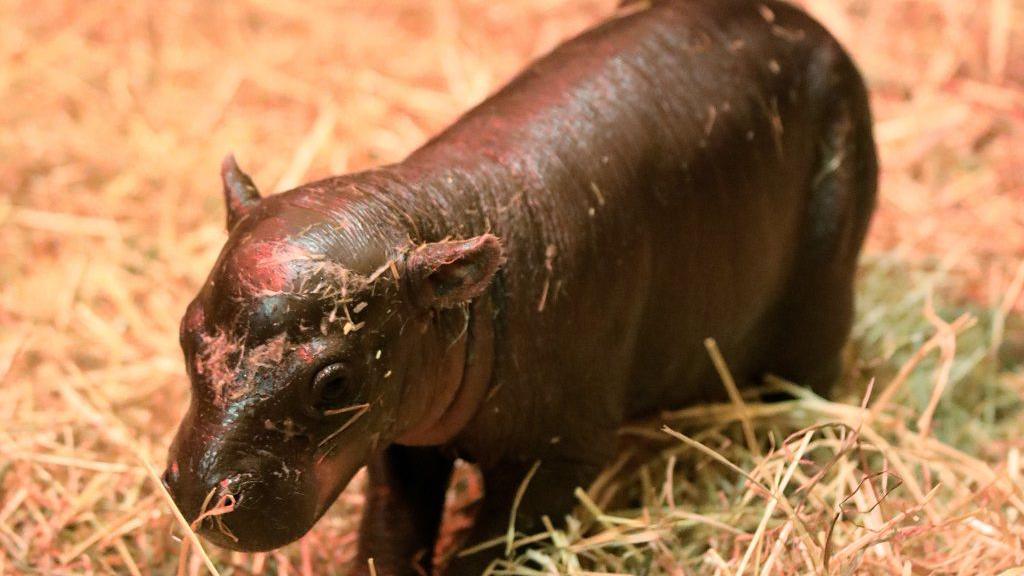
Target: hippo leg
(814,320)
(549,492)
(811,335)
(404,502)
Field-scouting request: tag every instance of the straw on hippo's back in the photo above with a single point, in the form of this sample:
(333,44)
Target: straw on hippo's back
(543,270)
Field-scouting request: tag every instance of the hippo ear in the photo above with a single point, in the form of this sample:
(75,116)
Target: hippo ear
(240,194)
(446,274)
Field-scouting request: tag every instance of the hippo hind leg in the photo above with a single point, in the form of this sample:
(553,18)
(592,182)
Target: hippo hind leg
(813,320)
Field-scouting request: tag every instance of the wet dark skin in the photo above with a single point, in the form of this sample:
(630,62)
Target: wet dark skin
(539,273)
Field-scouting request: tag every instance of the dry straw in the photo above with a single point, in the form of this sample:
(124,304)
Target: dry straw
(116,113)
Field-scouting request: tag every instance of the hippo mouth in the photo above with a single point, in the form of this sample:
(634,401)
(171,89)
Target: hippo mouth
(257,511)
(247,514)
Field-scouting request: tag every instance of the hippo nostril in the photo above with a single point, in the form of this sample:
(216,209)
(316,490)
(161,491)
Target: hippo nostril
(235,486)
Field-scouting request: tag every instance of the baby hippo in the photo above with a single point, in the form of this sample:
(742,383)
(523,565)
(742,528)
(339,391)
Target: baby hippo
(542,271)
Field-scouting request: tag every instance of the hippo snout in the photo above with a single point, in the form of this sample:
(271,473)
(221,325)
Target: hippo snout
(253,510)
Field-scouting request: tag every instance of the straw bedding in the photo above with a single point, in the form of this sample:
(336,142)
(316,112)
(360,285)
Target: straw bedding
(116,113)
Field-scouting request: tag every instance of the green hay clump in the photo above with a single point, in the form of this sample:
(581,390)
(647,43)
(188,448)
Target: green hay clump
(831,487)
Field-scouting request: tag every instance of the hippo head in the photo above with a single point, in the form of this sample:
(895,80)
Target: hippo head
(318,338)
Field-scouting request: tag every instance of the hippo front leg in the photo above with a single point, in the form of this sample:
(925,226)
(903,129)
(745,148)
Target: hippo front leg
(549,492)
(404,503)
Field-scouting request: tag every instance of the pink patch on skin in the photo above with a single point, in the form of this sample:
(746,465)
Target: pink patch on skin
(267,267)
(174,468)
(305,355)
(215,361)
(221,360)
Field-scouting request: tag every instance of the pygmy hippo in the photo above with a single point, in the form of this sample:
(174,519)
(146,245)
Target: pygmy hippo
(540,272)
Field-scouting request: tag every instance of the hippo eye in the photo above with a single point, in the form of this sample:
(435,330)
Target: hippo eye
(330,387)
